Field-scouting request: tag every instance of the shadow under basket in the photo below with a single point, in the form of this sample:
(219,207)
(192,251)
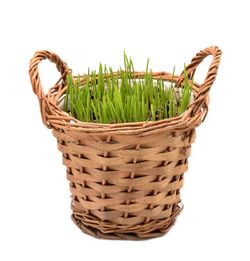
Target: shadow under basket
(125,179)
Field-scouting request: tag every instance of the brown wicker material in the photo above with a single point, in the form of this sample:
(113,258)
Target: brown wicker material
(125,179)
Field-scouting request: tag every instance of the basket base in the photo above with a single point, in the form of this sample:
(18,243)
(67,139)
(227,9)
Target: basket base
(157,232)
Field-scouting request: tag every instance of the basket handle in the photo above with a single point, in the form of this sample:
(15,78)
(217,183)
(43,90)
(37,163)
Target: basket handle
(36,82)
(201,100)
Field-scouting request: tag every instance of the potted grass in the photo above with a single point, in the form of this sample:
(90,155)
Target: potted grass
(105,97)
(125,137)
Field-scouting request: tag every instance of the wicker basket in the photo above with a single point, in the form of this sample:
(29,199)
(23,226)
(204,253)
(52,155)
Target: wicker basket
(125,179)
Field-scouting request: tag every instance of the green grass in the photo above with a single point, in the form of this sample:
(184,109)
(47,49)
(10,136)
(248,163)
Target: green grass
(105,97)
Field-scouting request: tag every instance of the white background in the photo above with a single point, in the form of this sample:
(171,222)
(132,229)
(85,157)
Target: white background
(35,219)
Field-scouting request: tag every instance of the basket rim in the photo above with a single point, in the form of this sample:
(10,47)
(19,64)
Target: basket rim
(57,93)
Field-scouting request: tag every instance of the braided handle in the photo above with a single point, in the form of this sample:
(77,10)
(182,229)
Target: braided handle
(201,100)
(36,82)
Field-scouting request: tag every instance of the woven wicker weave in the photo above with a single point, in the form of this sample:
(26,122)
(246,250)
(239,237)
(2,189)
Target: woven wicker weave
(125,179)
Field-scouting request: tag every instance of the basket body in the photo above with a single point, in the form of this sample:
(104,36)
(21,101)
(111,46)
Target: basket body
(125,187)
